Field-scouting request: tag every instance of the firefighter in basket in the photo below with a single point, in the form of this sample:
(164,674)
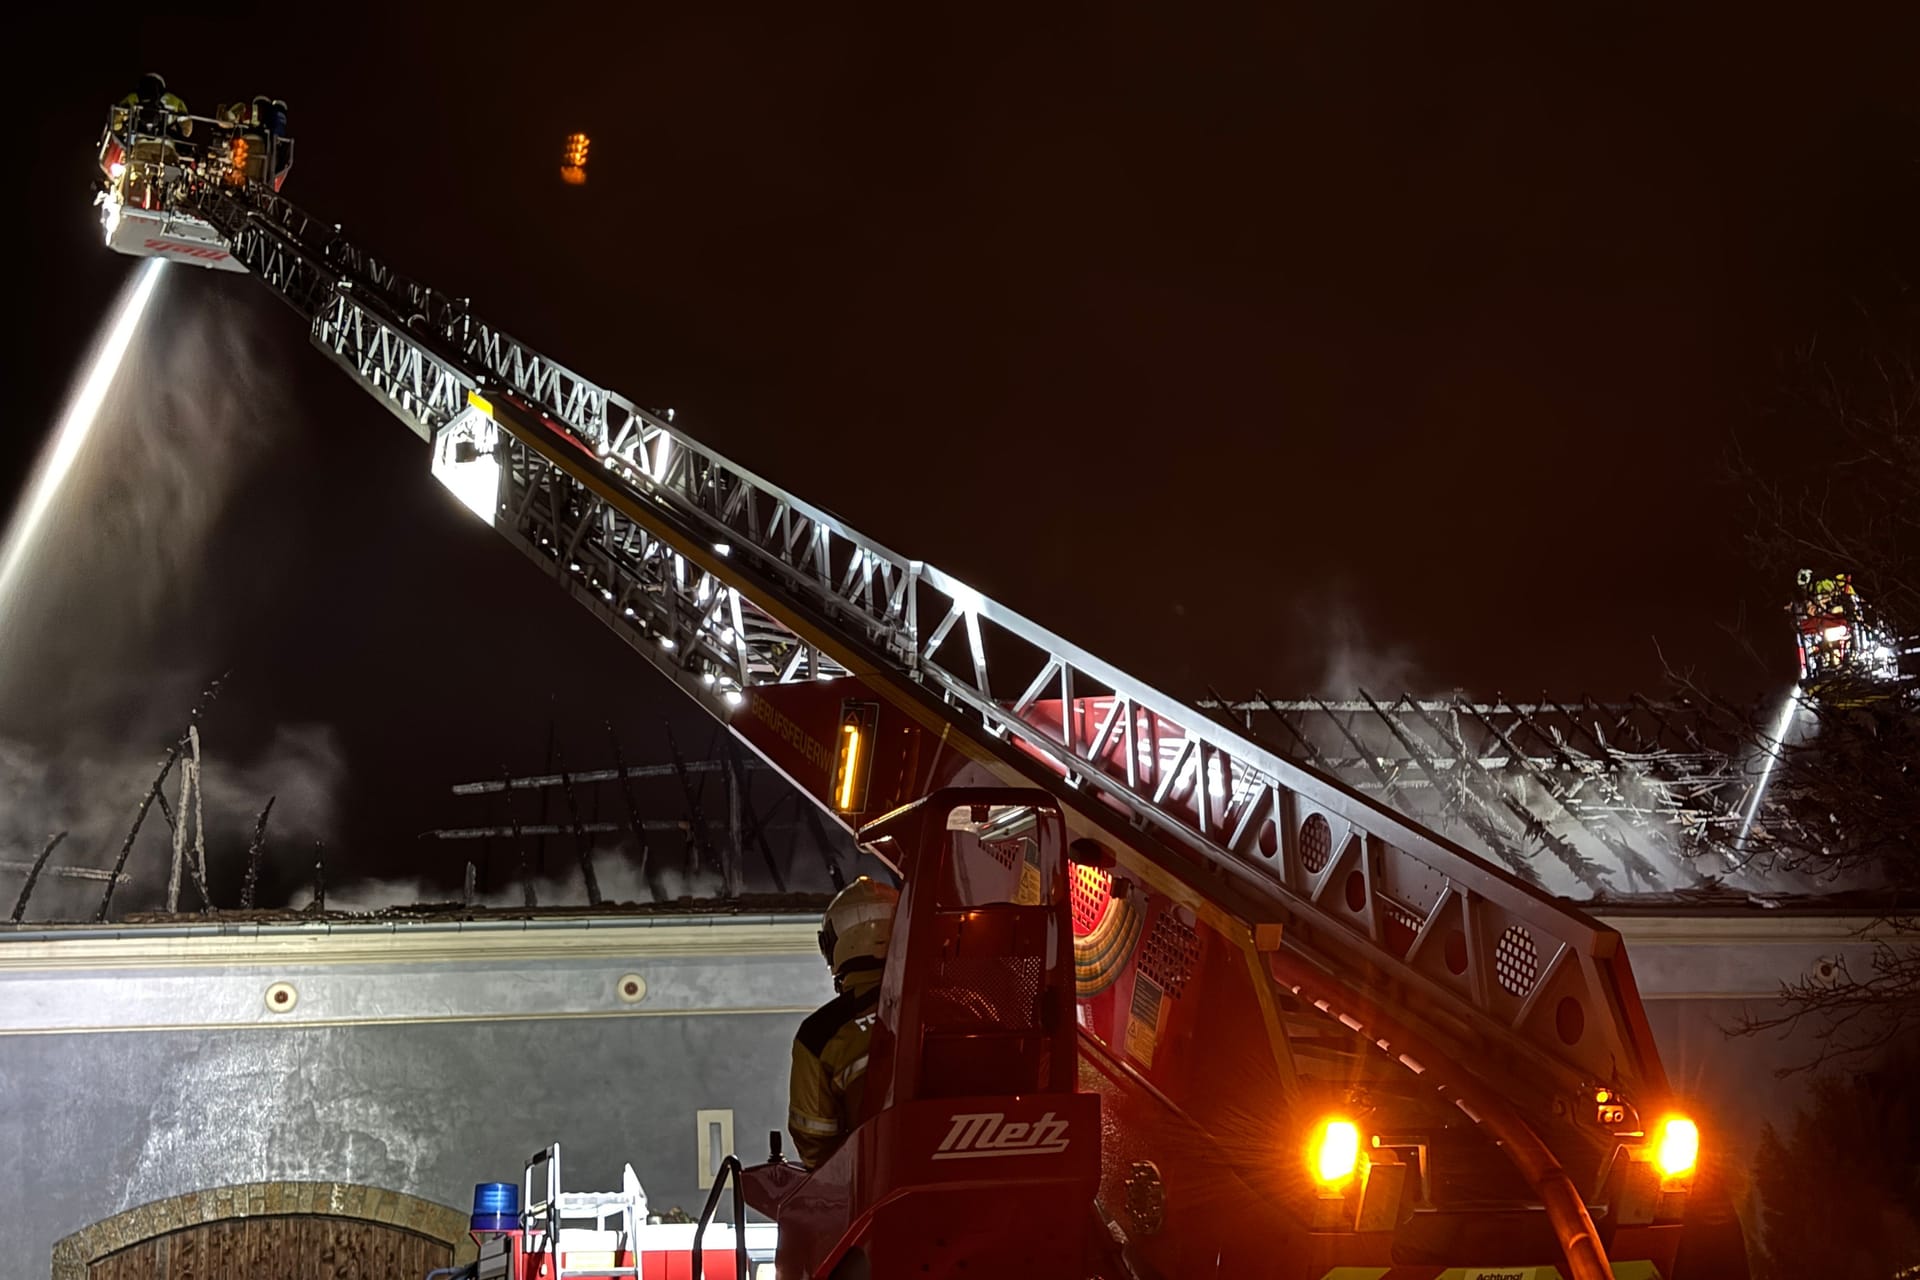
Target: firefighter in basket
(152,110)
(150,120)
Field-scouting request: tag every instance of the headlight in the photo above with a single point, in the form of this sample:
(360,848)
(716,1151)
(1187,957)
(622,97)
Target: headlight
(1335,1151)
(1676,1147)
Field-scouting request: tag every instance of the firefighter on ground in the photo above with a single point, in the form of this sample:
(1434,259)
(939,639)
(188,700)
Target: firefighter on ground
(830,1049)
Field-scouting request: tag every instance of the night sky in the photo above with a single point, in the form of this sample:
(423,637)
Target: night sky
(1284,347)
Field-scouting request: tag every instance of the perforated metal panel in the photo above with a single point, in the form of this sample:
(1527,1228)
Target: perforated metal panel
(1004,852)
(1092,891)
(1516,961)
(1171,951)
(1400,916)
(996,991)
(1316,843)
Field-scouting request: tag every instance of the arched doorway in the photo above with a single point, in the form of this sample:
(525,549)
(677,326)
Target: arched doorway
(287,1230)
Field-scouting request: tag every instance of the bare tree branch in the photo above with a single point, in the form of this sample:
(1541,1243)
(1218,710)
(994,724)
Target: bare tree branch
(1837,790)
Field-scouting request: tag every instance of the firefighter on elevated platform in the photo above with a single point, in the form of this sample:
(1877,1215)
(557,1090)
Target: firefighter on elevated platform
(149,121)
(1847,653)
(152,109)
(1826,610)
(830,1049)
(1834,595)
(270,150)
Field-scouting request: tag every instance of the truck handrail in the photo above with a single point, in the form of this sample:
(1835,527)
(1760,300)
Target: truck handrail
(729,1171)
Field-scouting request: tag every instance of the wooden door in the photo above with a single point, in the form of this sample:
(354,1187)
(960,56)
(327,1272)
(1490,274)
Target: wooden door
(290,1248)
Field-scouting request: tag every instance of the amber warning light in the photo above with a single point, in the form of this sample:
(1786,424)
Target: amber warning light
(573,166)
(853,763)
(1676,1147)
(1335,1151)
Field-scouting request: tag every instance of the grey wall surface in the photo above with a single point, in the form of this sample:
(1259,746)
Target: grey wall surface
(101,1124)
(1700,976)
(425,1073)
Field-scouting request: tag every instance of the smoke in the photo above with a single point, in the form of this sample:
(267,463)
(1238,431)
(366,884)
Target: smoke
(615,869)
(1641,820)
(92,793)
(301,768)
(108,631)
(1354,660)
(116,559)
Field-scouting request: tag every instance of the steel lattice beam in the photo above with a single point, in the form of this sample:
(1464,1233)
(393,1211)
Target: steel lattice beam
(725,582)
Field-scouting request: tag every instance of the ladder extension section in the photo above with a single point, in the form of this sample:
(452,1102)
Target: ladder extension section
(726,582)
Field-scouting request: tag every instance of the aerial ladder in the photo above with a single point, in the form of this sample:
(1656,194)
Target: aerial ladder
(1313,1038)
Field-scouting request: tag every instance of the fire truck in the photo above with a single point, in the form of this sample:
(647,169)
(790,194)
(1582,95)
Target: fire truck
(1159,1002)
(537,1231)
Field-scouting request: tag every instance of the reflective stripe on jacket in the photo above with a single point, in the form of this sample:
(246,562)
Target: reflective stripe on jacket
(830,1068)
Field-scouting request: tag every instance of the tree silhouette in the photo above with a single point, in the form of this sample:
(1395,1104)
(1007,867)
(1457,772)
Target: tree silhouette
(1841,1188)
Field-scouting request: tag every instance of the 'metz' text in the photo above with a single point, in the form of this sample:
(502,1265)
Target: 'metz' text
(986,1133)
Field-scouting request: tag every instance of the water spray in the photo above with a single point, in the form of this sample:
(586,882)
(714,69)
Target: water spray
(1777,741)
(74,428)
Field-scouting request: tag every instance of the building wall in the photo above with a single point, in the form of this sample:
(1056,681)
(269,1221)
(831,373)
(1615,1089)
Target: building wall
(421,1059)
(415,1061)
(1700,977)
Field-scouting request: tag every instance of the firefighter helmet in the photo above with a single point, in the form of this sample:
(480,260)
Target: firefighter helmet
(858,924)
(151,87)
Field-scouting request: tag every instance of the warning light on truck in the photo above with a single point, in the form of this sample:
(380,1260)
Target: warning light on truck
(1676,1147)
(573,165)
(1336,1151)
(855,756)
